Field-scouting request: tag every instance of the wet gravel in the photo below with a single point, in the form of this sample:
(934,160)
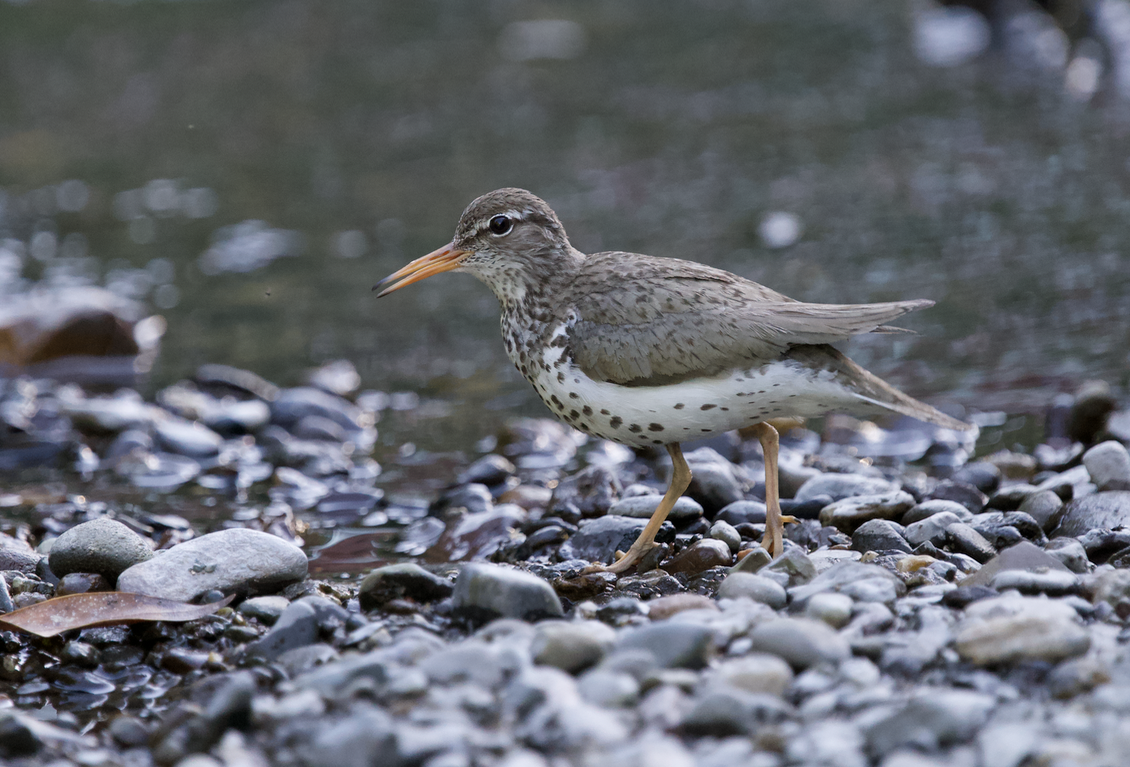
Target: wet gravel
(928,610)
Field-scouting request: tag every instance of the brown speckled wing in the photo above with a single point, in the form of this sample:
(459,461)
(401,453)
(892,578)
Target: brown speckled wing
(646,321)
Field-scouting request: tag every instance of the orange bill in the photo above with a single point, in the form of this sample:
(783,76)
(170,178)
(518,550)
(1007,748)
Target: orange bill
(443,260)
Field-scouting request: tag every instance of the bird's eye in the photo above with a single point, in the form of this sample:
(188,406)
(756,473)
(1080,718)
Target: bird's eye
(501,225)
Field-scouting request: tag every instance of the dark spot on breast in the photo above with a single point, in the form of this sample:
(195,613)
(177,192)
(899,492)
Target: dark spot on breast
(657,442)
(654,427)
(586,410)
(725,410)
(574,395)
(573,414)
(557,403)
(604,412)
(708,407)
(615,422)
(635,428)
(560,378)
(680,406)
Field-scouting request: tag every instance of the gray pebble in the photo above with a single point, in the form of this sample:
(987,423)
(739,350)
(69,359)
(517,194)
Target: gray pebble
(831,608)
(880,535)
(1009,629)
(104,546)
(401,581)
(1070,552)
(839,486)
(725,532)
(934,506)
(801,642)
(932,529)
(754,672)
(740,585)
(673,644)
(1109,510)
(685,511)
(1108,464)
(571,646)
(964,539)
(484,592)
(849,513)
(1045,507)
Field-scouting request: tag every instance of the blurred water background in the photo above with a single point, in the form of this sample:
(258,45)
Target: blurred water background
(249,170)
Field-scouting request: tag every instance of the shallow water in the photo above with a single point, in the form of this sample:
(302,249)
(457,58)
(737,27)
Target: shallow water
(251,170)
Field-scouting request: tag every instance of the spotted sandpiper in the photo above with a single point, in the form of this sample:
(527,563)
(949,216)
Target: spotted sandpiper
(656,351)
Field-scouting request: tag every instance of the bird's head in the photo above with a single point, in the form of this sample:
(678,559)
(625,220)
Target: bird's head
(510,239)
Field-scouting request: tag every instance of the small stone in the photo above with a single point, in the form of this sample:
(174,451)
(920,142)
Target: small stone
(236,560)
(338,377)
(983,475)
(1051,582)
(598,540)
(755,672)
(794,566)
(967,495)
(723,712)
(1070,552)
(401,581)
(591,490)
(484,592)
(103,546)
(1010,497)
(739,585)
(265,609)
(685,511)
(862,582)
(933,719)
(1075,677)
(300,624)
(189,438)
(725,532)
(609,689)
(1023,556)
(743,512)
(673,644)
(1007,528)
(1015,466)
(1108,463)
(880,535)
(849,513)
(664,607)
(840,486)
(932,529)
(831,608)
(715,482)
(934,506)
(964,539)
(754,560)
(1045,507)
(490,470)
(81,583)
(571,646)
(1009,629)
(1107,510)
(700,556)
(801,642)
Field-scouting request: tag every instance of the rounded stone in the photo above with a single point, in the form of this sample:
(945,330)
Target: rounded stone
(929,508)
(801,642)
(700,556)
(849,513)
(831,608)
(571,647)
(725,532)
(485,592)
(1045,507)
(755,672)
(685,510)
(401,581)
(1108,510)
(880,535)
(1108,463)
(1010,629)
(104,546)
(840,486)
(742,585)
(236,561)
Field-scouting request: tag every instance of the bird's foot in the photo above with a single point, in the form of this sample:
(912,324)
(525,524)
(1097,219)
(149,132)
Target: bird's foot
(624,560)
(774,540)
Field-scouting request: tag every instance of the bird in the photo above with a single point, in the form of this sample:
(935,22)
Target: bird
(652,351)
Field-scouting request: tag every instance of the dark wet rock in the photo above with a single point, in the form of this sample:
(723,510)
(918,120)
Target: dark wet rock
(1010,497)
(1087,418)
(741,585)
(1010,629)
(82,583)
(880,535)
(848,514)
(964,539)
(840,486)
(1108,464)
(302,623)
(571,646)
(700,556)
(292,405)
(1107,510)
(929,508)
(477,536)
(1101,544)
(104,546)
(672,644)
(967,495)
(18,736)
(484,592)
(685,510)
(1045,507)
(402,581)
(1007,528)
(725,711)
(598,540)
(932,719)
(806,509)
(592,490)
(17,555)
(862,582)
(128,731)
(338,377)
(492,469)
(187,438)
(231,561)
(982,475)
(742,512)
(800,642)
(229,707)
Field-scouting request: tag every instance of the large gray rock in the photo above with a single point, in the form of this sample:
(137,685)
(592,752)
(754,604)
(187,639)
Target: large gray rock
(849,513)
(599,539)
(1106,510)
(1024,556)
(104,546)
(484,592)
(880,535)
(235,561)
(1010,629)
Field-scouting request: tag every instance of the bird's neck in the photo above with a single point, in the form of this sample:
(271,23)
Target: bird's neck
(518,286)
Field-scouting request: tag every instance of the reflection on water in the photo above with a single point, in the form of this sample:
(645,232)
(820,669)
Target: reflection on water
(176,153)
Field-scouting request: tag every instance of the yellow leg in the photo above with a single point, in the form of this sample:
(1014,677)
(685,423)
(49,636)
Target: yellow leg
(680,480)
(774,521)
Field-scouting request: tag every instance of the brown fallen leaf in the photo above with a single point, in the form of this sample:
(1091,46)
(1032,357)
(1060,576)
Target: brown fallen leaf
(102,608)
